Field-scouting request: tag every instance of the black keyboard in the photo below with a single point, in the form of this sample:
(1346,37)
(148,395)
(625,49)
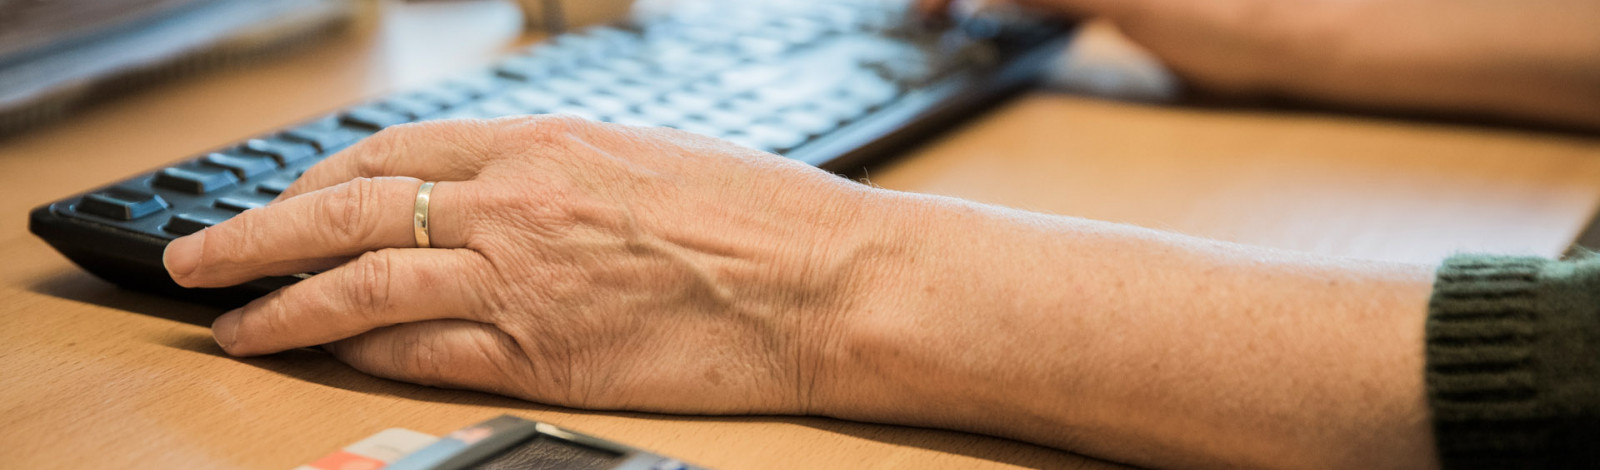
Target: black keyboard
(833,83)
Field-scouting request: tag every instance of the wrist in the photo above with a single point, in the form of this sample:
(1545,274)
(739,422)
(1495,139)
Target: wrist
(888,234)
(898,353)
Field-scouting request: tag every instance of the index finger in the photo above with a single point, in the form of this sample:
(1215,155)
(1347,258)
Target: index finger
(315,231)
(446,150)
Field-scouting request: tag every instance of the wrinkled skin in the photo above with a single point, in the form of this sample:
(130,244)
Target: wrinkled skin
(613,267)
(575,263)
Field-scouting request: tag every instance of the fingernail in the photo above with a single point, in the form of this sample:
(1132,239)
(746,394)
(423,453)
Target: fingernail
(226,330)
(183,255)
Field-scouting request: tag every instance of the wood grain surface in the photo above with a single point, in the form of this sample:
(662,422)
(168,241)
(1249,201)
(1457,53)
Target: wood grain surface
(95,376)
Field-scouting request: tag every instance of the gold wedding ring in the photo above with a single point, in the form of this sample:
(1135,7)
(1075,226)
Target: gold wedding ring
(419,215)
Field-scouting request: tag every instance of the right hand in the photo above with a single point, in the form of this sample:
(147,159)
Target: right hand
(1537,59)
(573,263)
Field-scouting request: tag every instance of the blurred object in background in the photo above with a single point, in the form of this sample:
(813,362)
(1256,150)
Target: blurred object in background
(554,16)
(60,55)
(1104,63)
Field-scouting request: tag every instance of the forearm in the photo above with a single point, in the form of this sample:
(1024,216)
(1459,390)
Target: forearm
(1139,346)
(1537,61)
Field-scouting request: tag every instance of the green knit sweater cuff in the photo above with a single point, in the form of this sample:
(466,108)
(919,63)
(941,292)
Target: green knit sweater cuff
(1513,368)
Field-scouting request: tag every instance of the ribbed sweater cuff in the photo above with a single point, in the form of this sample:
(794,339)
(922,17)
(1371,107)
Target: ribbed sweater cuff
(1511,354)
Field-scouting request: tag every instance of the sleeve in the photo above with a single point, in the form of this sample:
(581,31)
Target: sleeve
(1513,363)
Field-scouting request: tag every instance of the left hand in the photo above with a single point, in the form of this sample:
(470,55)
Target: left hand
(1530,59)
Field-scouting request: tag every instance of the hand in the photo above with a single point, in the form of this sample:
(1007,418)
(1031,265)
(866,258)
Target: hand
(1533,59)
(613,267)
(575,263)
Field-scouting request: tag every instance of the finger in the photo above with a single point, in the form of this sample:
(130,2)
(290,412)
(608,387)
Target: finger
(446,353)
(443,353)
(378,289)
(447,150)
(309,232)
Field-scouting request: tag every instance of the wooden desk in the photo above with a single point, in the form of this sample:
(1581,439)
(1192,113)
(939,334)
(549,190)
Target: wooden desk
(94,376)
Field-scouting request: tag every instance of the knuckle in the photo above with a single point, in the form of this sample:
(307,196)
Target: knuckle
(550,127)
(270,322)
(240,236)
(346,210)
(542,211)
(371,156)
(373,159)
(372,288)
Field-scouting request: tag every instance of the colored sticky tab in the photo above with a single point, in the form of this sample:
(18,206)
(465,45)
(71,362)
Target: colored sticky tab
(374,452)
(342,460)
(391,444)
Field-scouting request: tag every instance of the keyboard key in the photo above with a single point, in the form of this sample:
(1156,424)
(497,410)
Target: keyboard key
(662,114)
(596,76)
(443,97)
(525,69)
(411,107)
(759,47)
(243,166)
(704,35)
(556,60)
(752,107)
(286,152)
(324,134)
(797,31)
(464,112)
(689,103)
(196,220)
(911,71)
(604,105)
(195,179)
(476,86)
(121,204)
(631,93)
(569,87)
(871,90)
(373,117)
(500,108)
(628,67)
(273,187)
(807,122)
(840,110)
(535,101)
(321,139)
(753,76)
(723,119)
(240,202)
(776,138)
(840,18)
